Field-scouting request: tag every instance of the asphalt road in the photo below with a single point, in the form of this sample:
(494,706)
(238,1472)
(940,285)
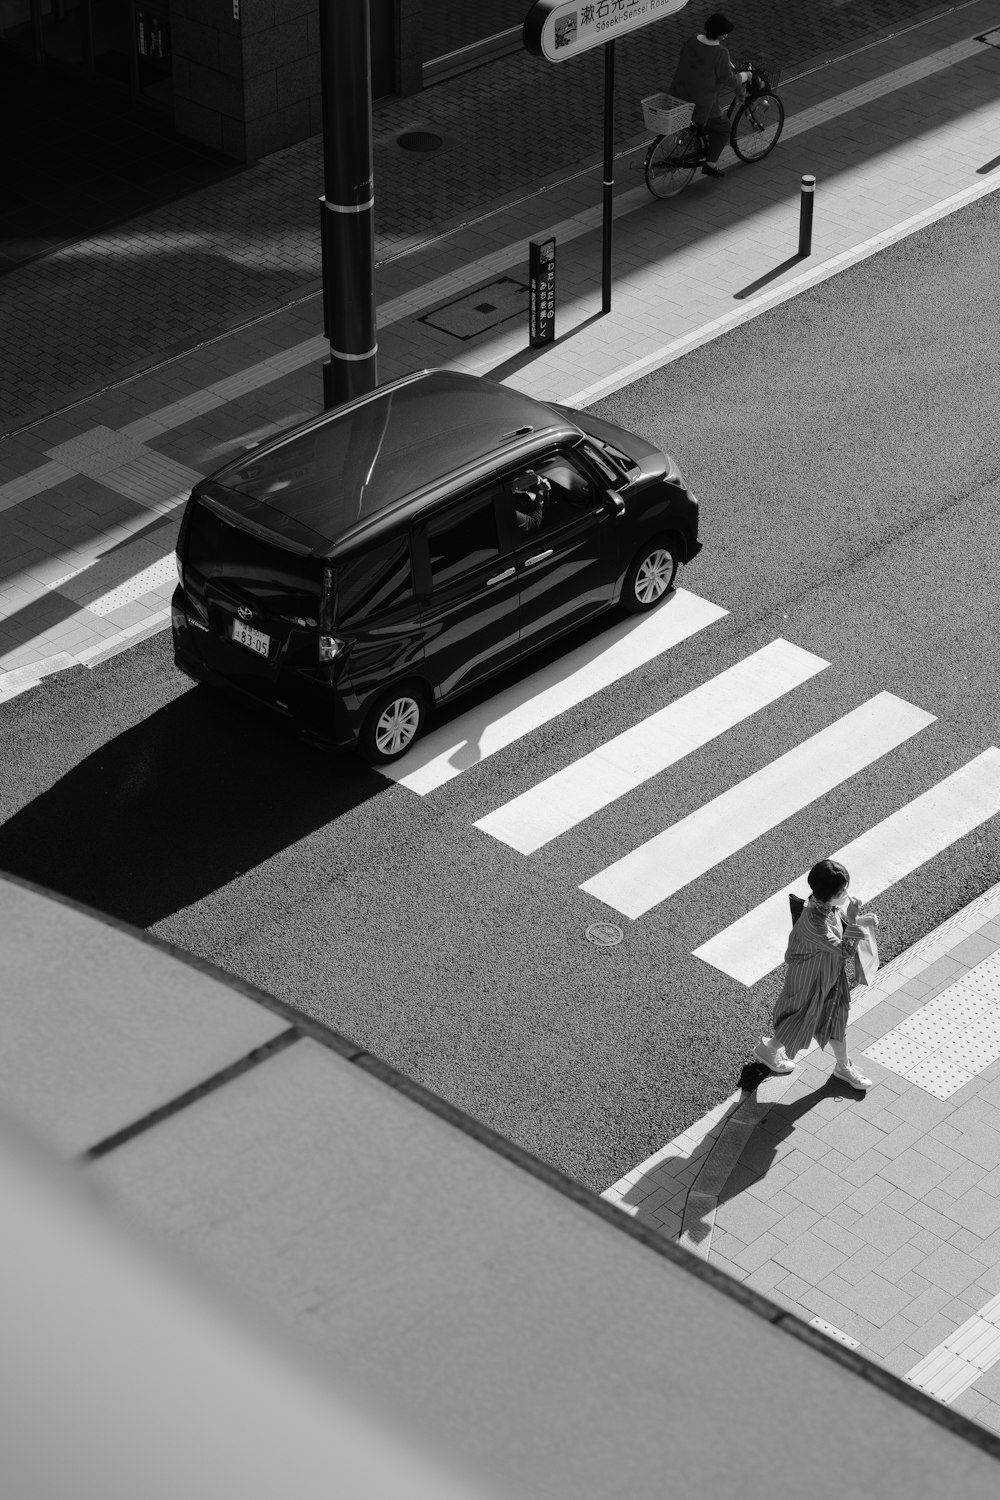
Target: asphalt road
(845,449)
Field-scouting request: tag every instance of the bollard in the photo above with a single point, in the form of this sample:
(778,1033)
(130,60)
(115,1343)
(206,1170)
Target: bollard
(806,216)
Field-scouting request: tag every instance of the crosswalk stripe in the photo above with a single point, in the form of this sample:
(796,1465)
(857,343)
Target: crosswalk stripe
(672,859)
(472,737)
(564,799)
(755,944)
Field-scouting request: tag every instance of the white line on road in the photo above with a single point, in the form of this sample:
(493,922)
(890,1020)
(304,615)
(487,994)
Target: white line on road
(748,949)
(561,801)
(680,854)
(469,739)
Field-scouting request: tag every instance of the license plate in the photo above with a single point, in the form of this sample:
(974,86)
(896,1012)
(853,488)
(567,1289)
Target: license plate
(255,639)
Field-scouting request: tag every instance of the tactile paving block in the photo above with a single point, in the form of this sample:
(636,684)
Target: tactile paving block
(937,1077)
(931,1026)
(970,1051)
(897,1052)
(96,452)
(976,1341)
(943,1375)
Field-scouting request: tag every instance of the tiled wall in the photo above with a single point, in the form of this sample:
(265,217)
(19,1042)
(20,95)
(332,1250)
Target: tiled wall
(247,73)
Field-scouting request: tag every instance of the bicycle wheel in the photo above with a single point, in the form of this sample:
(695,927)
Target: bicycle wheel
(758,124)
(670,164)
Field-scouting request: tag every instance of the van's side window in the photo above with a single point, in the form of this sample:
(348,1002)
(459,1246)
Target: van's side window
(375,580)
(550,494)
(463,538)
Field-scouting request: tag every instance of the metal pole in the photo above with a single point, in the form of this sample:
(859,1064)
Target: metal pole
(806,216)
(609,173)
(347,208)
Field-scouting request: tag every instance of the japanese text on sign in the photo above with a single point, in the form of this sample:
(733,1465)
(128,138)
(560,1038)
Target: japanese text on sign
(560,29)
(542,294)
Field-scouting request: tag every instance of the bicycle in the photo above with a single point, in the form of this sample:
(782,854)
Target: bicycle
(675,154)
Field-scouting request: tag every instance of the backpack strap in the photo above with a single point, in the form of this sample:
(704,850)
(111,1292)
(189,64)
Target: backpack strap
(797,906)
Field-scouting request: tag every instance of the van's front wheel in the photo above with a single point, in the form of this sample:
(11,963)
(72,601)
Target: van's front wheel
(392,724)
(651,576)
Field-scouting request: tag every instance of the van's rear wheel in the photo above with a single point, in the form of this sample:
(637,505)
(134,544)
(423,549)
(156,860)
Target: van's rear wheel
(392,724)
(650,576)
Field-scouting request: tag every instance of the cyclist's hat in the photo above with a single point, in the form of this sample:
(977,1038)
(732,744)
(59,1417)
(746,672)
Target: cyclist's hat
(827,878)
(717,25)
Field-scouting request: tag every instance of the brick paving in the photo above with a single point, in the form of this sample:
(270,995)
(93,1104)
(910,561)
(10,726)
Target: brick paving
(74,320)
(876,1213)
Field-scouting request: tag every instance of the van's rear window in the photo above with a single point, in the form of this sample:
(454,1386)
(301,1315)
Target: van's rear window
(220,550)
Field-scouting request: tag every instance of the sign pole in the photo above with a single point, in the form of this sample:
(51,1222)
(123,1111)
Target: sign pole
(609,174)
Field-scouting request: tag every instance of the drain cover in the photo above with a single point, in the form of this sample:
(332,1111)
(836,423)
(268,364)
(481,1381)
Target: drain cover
(420,140)
(481,309)
(604,934)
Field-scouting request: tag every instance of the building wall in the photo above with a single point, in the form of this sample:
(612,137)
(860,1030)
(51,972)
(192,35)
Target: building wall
(249,84)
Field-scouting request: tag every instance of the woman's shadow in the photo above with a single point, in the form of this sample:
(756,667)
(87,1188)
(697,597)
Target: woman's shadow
(774,1128)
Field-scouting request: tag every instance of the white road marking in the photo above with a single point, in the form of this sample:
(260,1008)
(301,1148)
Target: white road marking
(471,738)
(751,947)
(569,796)
(672,859)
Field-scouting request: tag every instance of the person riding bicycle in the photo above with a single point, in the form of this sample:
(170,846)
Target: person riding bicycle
(704,72)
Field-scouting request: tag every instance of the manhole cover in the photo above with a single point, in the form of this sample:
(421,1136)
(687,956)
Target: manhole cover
(604,934)
(483,308)
(420,140)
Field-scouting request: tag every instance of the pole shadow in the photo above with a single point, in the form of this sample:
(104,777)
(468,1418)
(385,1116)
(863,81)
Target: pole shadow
(525,356)
(755,286)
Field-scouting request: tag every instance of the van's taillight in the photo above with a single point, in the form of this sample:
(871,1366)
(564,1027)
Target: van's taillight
(329,647)
(180,570)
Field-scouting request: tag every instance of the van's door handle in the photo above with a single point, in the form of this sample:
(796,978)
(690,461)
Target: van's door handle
(500,577)
(539,557)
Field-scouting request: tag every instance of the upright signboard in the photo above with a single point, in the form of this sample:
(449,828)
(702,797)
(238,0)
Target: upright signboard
(542,304)
(560,29)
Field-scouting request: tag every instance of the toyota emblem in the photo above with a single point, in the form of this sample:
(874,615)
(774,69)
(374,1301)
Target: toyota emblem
(245,612)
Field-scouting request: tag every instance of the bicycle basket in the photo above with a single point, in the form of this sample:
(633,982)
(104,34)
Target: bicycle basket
(768,76)
(665,114)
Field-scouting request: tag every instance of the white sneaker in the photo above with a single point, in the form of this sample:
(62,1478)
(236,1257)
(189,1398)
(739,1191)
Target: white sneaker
(852,1075)
(773,1058)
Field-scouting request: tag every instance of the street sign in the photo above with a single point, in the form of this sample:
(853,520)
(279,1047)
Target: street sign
(560,29)
(542,296)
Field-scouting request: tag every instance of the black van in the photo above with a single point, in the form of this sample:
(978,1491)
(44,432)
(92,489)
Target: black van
(386,556)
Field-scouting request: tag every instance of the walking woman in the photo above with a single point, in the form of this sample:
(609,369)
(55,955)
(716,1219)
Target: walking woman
(816,997)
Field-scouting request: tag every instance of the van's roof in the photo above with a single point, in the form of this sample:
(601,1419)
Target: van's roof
(344,467)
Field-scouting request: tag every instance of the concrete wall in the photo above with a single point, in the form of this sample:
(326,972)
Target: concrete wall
(447,1284)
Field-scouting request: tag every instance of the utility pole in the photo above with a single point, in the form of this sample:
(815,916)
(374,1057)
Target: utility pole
(347,207)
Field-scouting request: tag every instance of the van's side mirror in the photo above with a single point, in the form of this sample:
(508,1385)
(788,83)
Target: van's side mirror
(617,503)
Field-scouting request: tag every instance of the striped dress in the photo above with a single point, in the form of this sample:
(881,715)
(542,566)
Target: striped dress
(816,996)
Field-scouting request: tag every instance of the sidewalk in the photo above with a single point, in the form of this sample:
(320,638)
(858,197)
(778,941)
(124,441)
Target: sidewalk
(898,134)
(174,276)
(875,1217)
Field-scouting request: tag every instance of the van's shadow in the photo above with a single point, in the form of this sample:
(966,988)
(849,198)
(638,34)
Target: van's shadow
(176,807)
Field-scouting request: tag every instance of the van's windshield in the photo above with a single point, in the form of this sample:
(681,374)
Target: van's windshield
(221,551)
